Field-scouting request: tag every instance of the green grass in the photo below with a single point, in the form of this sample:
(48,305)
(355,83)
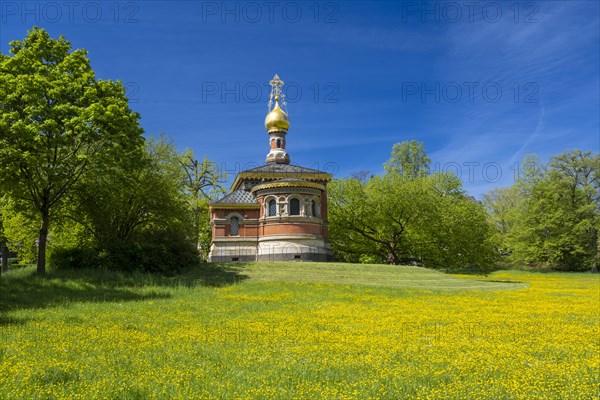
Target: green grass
(298,330)
(389,276)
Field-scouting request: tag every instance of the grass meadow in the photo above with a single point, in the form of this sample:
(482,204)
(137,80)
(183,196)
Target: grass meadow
(298,331)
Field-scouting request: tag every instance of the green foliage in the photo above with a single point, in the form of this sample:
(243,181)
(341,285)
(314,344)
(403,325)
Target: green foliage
(409,159)
(75,258)
(20,228)
(167,252)
(116,204)
(202,183)
(133,216)
(57,121)
(550,218)
(500,204)
(425,220)
(164,252)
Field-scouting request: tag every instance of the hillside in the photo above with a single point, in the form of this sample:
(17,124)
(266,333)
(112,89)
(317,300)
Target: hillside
(389,276)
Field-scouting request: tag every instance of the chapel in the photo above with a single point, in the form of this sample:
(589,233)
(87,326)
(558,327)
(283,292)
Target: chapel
(274,212)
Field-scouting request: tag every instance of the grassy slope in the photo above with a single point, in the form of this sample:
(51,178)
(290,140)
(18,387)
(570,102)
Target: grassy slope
(296,330)
(391,276)
(22,289)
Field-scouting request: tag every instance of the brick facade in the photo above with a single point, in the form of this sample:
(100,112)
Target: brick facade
(283,236)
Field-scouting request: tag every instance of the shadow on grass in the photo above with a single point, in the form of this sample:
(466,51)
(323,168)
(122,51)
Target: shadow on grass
(5,320)
(34,292)
(212,275)
(24,289)
(502,281)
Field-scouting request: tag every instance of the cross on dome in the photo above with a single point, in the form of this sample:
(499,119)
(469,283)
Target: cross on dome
(276,92)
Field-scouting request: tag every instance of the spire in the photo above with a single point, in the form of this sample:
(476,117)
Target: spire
(276,92)
(277,123)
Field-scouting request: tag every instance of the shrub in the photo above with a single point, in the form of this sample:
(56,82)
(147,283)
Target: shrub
(163,252)
(74,258)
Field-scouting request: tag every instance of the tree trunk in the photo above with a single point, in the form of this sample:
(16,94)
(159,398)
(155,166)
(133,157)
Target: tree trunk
(393,257)
(197,228)
(41,262)
(5,256)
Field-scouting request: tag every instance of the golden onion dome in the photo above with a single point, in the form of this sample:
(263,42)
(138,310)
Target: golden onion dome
(277,120)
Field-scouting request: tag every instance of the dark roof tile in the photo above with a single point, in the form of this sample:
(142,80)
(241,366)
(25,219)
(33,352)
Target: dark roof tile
(237,197)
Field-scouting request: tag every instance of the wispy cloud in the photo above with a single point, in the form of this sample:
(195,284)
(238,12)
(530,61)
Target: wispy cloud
(532,137)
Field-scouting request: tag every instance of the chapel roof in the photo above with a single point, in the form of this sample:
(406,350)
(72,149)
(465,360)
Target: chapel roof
(274,171)
(237,197)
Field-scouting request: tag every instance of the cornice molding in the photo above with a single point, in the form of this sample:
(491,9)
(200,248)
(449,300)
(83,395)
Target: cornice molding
(271,176)
(277,185)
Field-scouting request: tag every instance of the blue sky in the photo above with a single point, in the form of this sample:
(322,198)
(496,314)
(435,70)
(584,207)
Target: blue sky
(481,84)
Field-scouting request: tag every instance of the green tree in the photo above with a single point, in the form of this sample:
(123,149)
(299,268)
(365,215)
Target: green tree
(134,216)
(409,159)
(579,173)
(20,227)
(425,220)
(551,216)
(501,205)
(350,231)
(461,237)
(56,120)
(202,183)
(116,204)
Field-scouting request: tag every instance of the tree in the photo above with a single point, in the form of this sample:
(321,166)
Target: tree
(409,159)
(425,220)
(114,205)
(409,216)
(349,226)
(202,183)
(20,228)
(551,216)
(56,121)
(501,204)
(579,173)
(362,176)
(134,216)
(461,237)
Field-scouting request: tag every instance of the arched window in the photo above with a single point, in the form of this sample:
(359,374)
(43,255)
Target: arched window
(234,225)
(294,207)
(272,208)
(313,208)
(278,143)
